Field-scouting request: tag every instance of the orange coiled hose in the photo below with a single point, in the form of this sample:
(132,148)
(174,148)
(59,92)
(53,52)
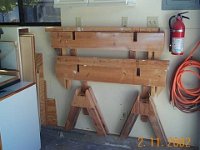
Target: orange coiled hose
(185,99)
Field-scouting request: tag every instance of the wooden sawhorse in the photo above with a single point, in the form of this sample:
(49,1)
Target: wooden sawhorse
(84,98)
(144,106)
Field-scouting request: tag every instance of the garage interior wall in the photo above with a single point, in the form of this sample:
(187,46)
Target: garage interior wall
(115,100)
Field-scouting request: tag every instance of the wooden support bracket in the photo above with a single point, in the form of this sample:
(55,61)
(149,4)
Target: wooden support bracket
(145,107)
(84,99)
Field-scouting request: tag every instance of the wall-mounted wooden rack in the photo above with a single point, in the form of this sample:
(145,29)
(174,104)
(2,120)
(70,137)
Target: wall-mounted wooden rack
(150,72)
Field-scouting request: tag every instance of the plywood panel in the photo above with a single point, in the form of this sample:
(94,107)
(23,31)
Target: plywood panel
(27,48)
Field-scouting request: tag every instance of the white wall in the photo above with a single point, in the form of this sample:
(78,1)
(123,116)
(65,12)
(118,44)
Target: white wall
(116,99)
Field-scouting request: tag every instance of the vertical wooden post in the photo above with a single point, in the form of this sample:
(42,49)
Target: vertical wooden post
(146,92)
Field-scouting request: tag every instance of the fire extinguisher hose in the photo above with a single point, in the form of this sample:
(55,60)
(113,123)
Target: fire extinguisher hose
(186,99)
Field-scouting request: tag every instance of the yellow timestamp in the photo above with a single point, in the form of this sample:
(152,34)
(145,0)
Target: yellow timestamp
(173,142)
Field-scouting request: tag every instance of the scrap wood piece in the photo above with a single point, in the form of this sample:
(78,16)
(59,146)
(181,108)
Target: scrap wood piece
(86,101)
(48,114)
(125,71)
(51,115)
(42,93)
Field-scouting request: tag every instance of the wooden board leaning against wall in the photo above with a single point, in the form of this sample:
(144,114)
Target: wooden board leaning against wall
(33,71)
(48,114)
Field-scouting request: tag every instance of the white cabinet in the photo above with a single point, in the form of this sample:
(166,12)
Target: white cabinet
(94,2)
(19,122)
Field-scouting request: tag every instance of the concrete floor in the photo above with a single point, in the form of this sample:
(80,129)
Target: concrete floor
(57,139)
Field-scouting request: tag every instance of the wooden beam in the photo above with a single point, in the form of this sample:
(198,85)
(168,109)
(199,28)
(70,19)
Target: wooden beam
(93,113)
(128,71)
(128,125)
(156,124)
(110,40)
(102,29)
(144,98)
(92,97)
(72,118)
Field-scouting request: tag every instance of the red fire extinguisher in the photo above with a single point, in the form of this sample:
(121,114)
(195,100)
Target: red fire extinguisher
(177,33)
